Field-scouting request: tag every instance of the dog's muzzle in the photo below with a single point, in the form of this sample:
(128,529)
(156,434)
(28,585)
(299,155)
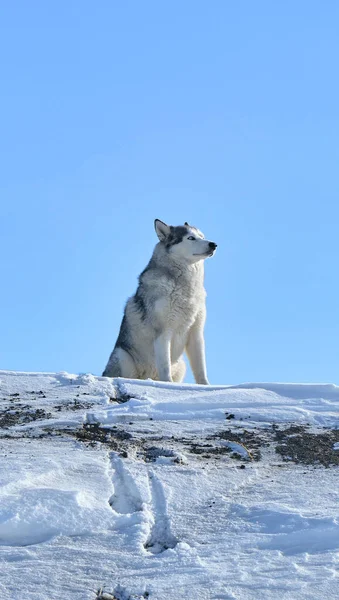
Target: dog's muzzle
(212,247)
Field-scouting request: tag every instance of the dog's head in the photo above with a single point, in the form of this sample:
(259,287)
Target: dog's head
(184,241)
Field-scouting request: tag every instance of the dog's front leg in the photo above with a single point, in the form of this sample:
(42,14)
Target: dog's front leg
(162,351)
(195,349)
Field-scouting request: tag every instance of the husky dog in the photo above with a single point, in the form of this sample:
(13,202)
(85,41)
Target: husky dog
(166,316)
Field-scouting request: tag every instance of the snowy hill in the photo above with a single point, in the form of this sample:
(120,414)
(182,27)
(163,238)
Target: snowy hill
(135,489)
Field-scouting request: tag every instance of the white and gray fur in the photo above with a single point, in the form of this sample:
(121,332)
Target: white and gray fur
(166,316)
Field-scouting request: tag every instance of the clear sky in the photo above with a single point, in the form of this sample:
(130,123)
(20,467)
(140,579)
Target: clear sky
(224,114)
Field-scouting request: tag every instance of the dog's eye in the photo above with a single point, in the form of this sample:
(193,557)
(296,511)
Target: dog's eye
(191,237)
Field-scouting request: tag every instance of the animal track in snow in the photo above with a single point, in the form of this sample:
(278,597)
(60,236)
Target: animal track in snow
(142,493)
(126,498)
(160,537)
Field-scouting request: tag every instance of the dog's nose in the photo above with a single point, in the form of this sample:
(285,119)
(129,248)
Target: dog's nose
(212,245)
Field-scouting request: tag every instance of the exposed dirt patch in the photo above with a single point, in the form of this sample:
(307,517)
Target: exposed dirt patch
(28,407)
(208,450)
(293,443)
(115,439)
(74,406)
(120,594)
(21,415)
(301,446)
(152,453)
(39,394)
(252,441)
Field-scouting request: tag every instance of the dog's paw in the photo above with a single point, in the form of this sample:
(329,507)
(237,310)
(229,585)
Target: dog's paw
(203,381)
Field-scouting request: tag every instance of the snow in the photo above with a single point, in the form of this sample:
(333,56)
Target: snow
(165,506)
(313,404)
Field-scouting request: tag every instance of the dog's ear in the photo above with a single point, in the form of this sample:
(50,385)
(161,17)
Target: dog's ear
(162,230)
(187,224)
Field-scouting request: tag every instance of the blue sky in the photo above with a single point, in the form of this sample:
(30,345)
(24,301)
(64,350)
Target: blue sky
(223,114)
